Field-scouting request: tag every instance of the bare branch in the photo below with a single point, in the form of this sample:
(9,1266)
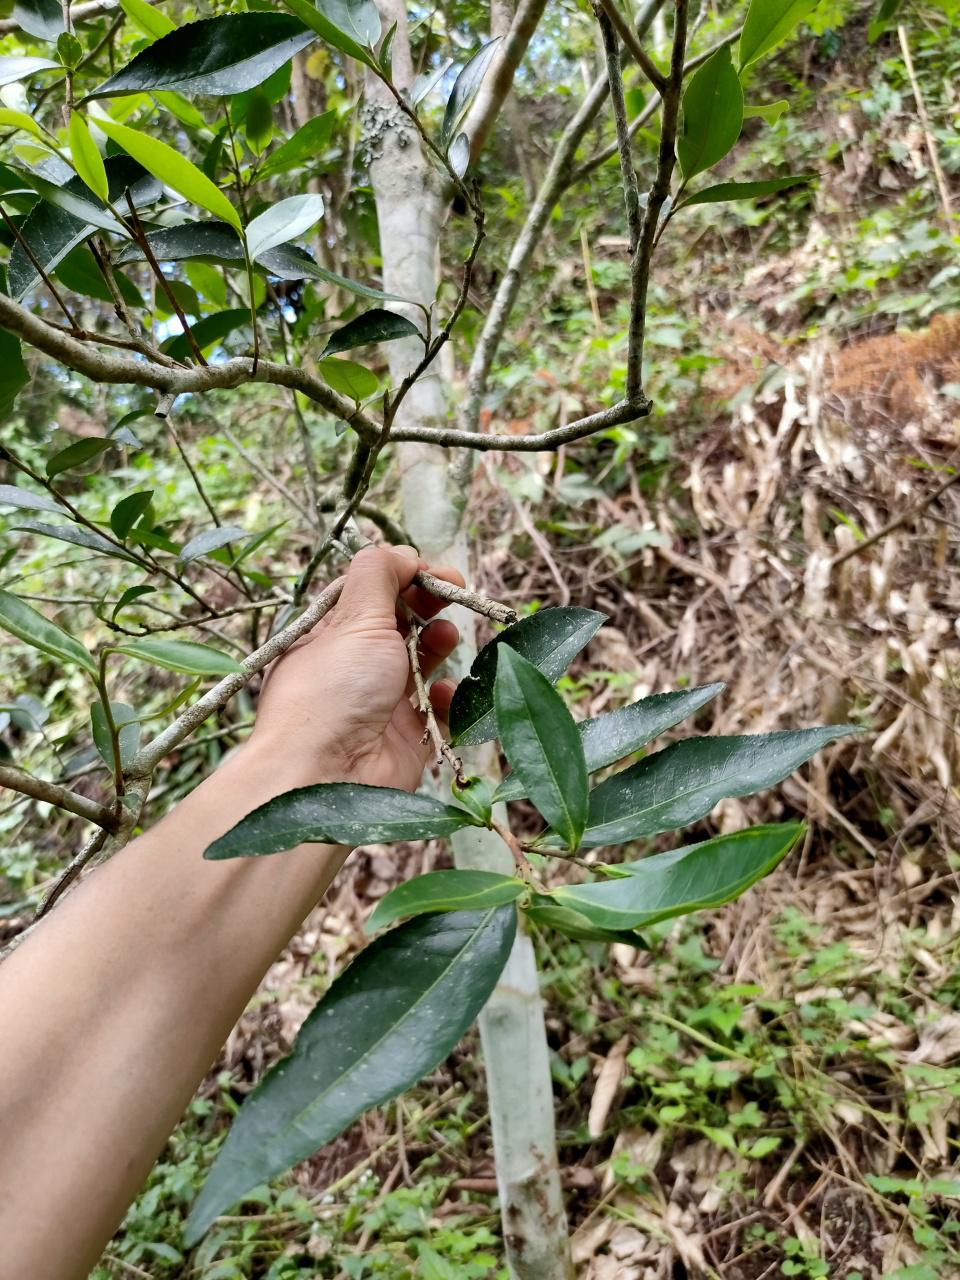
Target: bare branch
(629,38)
(616,416)
(51,793)
(70,873)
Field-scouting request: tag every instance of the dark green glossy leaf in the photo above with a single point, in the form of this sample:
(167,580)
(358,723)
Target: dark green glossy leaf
(386,52)
(541,742)
(258,121)
(207,332)
(349,378)
(14,375)
(466,87)
(317,21)
(545,911)
(78,201)
(767,23)
(306,145)
(682,783)
(17,617)
(13,496)
(14,69)
(77,455)
(338,813)
(128,511)
(181,655)
(692,878)
(444,891)
(128,597)
(373,326)
(886,11)
(475,796)
(282,222)
(611,737)
(128,732)
(149,538)
(210,540)
(219,56)
(185,295)
(41,18)
(78,536)
(79,273)
(550,639)
(397,1011)
(745,190)
(712,114)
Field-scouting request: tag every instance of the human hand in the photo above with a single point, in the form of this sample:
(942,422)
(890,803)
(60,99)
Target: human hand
(337,706)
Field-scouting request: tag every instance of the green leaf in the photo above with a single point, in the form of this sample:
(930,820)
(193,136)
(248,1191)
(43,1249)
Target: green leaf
(52,233)
(767,23)
(69,50)
(27,712)
(306,145)
(419,988)
(154,24)
(682,783)
(373,326)
(78,201)
(172,169)
(217,56)
(181,655)
(352,286)
(20,120)
(208,332)
(427,81)
(611,737)
(541,742)
(475,796)
(13,496)
(459,154)
(181,107)
(466,87)
(86,157)
(282,222)
(550,639)
(128,511)
(258,121)
(769,111)
(886,11)
(444,891)
(349,378)
(324,27)
(712,115)
(79,273)
(210,540)
(357,19)
(77,455)
(386,52)
(126,723)
(692,878)
(338,813)
(208,283)
(544,911)
(13,375)
(41,18)
(128,597)
(744,190)
(14,69)
(17,617)
(79,537)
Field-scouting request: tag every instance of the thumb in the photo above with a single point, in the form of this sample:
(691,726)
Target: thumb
(374,580)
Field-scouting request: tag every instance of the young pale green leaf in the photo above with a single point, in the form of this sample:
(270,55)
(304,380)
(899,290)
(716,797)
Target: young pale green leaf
(41,18)
(127,724)
(181,655)
(692,878)
(419,987)
(128,597)
(69,50)
(17,617)
(338,813)
(181,107)
(769,111)
(19,120)
(210,540)
(444,891)
(682,783)
(207,332)
(86,158)
(541,742)
(13,496)
(712,115)
(767,23)
(147,19)
(745,190)
(475,796)
(545,911)
(550,639)
(316,20)
(617,734)
(306,146)
(377,325)
(77,455)
(466,87)
(79,537)
(218,56)
(172,169)
(128,511)
(349,378)
(284,221)
(14,69)
(13,375)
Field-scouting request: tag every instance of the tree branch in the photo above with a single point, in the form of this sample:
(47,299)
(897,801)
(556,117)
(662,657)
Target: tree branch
(51,793)
(499,80)
(616,416)
(70,873)
(629,38)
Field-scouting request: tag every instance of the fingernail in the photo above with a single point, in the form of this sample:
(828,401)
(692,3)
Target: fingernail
(408,553)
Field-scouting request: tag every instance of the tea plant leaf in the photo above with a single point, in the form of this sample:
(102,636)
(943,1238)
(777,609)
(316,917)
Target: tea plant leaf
(459,154)
(420,987)
(24,622)
(767,23)
(219,56)
(610,737)
(349,378)
(79,272)
(545,911)
(128,511)
(126,723)
(283,221)
(541,742)
(338,813)
(207,332)
(373,326)
(128,597)
(78,201)
(210,540)
(744,190)
(466,87)
(427,81)
(76,455)
(13,496)
(181,655)
(358,19)
(78,537)
(306,145)
(769,111)
(41,18)
(712,115)
(147,19)
(13,69)
(444,891)
(317,21)
(692,878)
(20,120)
(14,375)
(550,639)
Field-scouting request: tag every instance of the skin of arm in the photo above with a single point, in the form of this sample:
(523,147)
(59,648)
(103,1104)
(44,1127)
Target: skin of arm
(113,1011)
